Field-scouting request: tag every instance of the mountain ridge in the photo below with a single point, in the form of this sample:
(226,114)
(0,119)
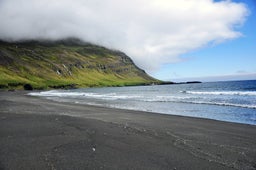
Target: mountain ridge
(67,63)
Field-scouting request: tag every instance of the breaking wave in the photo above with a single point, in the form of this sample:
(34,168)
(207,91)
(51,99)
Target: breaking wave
(109,96)
(170,98)
(222,104)
(240,93)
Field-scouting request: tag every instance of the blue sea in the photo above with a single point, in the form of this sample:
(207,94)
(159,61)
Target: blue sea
(233,101)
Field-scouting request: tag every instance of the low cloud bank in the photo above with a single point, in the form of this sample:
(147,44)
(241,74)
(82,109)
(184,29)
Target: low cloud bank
(152,32)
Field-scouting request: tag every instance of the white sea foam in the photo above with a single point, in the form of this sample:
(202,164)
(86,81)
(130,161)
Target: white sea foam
(109,96)
(169,98)
(196,100)
(240,93)
(55,93)
(224,104)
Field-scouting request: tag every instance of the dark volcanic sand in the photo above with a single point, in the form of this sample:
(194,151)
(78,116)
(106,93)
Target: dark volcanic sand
(36,133)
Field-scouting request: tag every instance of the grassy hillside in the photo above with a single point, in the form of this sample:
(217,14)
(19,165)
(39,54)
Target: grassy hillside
(66,64)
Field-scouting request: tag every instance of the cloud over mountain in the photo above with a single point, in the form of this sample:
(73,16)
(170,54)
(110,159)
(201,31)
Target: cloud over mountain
(152,32)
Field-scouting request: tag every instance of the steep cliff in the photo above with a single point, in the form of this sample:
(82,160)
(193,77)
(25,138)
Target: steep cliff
(66,64)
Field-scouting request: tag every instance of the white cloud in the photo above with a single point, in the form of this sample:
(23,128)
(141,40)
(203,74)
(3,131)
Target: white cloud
(152,32)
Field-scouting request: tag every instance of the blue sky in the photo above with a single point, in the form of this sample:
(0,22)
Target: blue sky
(231,60)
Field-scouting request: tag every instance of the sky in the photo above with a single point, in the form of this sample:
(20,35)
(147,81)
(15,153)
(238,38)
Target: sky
(176,40)
(230,60)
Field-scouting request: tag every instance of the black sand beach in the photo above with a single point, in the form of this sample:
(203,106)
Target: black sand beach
(36,133)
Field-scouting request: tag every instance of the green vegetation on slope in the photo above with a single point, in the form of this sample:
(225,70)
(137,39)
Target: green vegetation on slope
(66,64)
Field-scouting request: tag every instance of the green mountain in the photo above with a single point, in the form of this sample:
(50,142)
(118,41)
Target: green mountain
(66,63)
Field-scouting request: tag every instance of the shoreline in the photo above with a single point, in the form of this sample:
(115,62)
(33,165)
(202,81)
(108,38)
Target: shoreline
(153,112)
(37,133)
(25,93)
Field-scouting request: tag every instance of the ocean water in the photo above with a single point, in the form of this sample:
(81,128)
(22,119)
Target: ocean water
(233,101)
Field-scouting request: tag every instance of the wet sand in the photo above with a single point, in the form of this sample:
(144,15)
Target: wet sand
(36,133)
